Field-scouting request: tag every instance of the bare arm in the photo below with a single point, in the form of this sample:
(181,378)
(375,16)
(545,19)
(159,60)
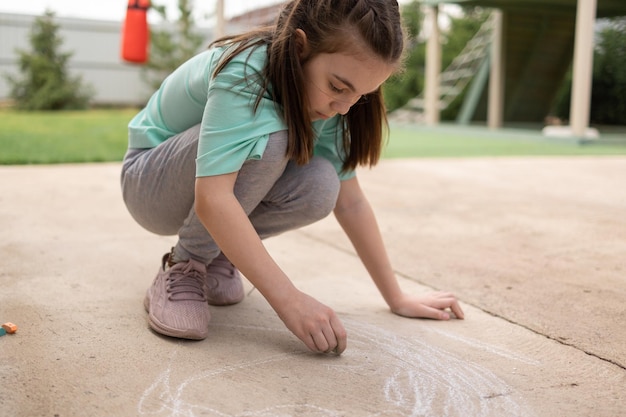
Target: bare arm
(356,217)
(222,215)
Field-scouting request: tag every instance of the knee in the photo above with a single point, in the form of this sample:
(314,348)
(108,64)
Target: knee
(322,188)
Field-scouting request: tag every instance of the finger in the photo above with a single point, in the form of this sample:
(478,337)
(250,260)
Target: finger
(444,298)
(340,335)
(321,344)
(434,313)
(448,300)
(437,302)
(310,343)
(456,309)
(331,340)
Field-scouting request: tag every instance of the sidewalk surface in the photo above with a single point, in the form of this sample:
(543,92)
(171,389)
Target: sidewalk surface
(534,248)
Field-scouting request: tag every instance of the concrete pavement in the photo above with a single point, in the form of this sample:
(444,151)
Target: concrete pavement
(534,248)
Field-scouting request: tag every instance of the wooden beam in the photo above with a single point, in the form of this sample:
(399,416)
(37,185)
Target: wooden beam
(583,67)
(495,108)
(433,68)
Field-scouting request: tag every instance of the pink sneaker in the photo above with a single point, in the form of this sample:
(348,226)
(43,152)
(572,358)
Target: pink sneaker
(223,281)
(176,302)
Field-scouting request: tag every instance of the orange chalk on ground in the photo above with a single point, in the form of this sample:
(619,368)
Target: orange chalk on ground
(9,327)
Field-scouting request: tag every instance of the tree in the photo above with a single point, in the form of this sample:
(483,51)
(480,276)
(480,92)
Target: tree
(45,83)
(402,87)
(608,94)
(169,48)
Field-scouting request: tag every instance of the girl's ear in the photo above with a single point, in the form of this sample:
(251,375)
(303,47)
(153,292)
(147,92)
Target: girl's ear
(301,44)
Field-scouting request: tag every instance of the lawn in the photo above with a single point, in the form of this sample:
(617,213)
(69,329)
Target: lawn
(470,141)
(100,135)
(58,137)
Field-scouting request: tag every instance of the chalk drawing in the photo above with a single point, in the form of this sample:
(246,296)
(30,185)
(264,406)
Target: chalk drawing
(488,348)
(425,377)
(411,377)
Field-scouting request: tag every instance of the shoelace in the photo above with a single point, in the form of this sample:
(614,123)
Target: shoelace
(186,284)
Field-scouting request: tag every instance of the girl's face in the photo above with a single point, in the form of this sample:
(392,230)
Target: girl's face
(335,82)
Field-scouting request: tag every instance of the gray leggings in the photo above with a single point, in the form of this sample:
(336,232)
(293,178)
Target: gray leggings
(277,194)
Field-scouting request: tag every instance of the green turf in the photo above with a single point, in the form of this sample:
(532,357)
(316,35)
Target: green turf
(101,135)
(456,141)
(61,137)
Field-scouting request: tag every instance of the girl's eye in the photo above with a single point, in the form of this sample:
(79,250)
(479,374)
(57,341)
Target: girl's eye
(335,89)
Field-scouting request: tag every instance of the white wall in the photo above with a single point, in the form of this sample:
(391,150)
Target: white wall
(95,48)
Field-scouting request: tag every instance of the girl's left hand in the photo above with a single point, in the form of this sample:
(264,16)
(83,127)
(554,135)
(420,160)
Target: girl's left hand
(429,306)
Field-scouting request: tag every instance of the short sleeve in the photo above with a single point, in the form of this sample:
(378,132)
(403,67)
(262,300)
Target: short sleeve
(231,130)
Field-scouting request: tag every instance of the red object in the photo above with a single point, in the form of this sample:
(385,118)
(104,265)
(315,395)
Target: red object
(135,32)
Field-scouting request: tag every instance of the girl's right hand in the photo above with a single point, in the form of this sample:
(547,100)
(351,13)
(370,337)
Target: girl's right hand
(314,323)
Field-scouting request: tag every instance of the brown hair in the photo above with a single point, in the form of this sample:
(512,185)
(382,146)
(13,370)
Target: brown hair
(331,26)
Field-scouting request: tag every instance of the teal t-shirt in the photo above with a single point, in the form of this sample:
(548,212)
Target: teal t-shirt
(231,131)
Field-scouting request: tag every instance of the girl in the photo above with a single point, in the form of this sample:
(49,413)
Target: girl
(259,135)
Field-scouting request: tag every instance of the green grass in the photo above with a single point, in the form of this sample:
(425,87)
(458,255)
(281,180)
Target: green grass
(458,141)
(101,135)
(63,137)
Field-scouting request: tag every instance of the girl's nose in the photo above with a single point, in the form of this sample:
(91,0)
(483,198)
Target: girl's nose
(341,107)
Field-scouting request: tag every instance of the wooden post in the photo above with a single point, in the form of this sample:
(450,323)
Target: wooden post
(433,68)
(583,67)
(220,25)
(497,73)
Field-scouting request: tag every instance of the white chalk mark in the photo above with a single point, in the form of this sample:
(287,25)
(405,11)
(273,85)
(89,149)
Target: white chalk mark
(412,377)
(291,410)
(426,378)
(173,401)
(165,397)
(488,348)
